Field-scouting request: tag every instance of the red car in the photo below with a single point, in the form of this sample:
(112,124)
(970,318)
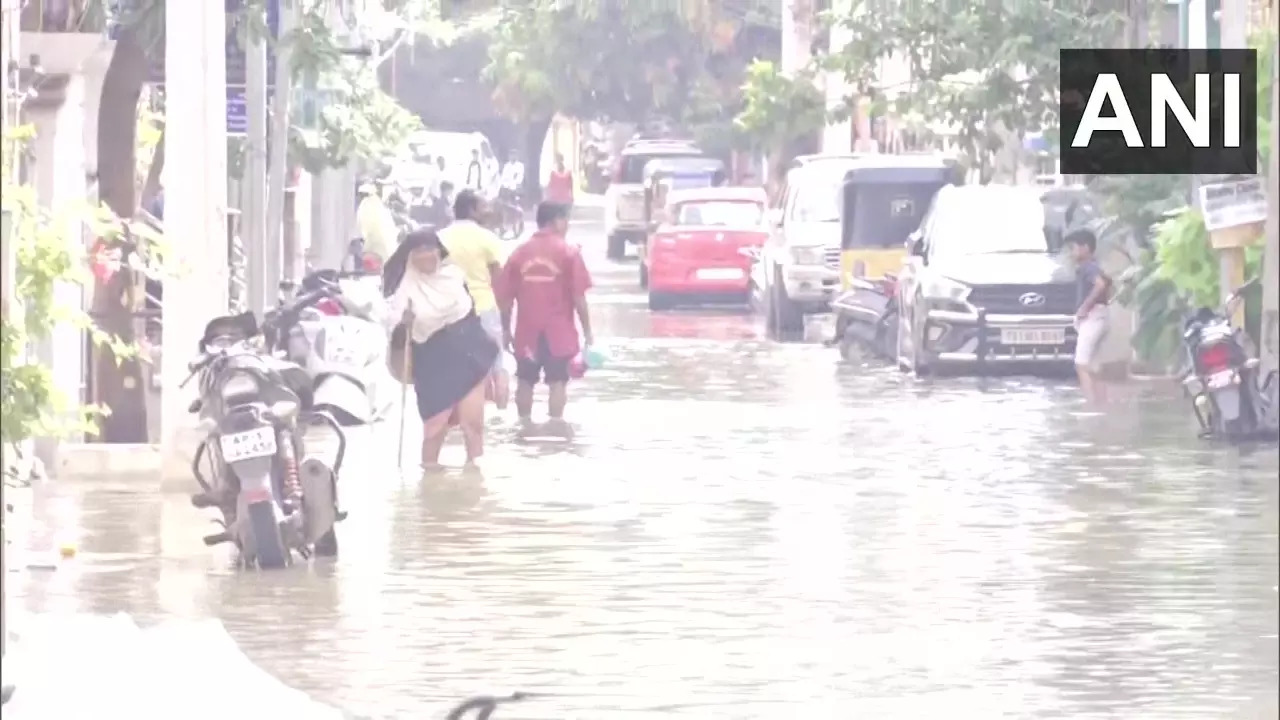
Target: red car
(705,247)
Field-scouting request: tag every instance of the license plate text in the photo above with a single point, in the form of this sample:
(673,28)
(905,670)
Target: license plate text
(1033,336)
(255,443)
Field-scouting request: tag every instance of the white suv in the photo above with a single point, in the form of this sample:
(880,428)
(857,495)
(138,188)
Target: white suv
(799,267)
(624,198)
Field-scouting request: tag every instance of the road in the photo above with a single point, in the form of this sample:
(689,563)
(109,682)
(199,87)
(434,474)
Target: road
(743,529)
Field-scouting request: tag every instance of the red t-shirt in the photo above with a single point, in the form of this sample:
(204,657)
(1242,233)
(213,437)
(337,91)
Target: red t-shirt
(544,277)
(560,187)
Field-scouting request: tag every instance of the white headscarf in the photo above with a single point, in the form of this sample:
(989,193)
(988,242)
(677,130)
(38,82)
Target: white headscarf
(437,299)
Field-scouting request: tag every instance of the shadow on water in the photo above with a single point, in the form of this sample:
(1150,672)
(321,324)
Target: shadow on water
(749,529)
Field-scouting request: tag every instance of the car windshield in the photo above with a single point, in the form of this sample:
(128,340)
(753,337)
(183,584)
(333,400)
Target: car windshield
(720,213)
(990,225)
(818,204)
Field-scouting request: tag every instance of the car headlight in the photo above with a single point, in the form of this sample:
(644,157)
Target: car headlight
(238,386)
(807,255)
(945,290)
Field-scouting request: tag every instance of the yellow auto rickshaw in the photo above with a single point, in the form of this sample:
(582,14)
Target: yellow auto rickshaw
(676,173)
(885,198)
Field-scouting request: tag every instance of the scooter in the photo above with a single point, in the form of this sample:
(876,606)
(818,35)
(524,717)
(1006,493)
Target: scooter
(252,405)
(342,346)
(867,319)
(1230,401)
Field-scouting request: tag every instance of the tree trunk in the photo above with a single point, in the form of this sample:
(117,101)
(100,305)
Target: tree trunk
(120,385)
(535,135)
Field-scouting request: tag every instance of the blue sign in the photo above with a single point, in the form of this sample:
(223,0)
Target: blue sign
(237,111)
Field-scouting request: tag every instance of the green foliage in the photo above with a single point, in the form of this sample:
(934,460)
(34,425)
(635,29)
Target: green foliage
(977,66)
(627,61)
(30,404)
(1180,273)
(356,121)
(779,109)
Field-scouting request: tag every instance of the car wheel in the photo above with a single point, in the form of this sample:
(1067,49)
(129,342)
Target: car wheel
(660,301)
(644,275)
(617,249)
(783,318)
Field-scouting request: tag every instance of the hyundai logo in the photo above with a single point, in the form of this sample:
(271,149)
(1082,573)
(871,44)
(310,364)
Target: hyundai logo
(1031,300)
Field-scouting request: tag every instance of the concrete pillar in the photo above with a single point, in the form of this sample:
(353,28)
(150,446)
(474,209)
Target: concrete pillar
(195,208)
(333,216)
(1271,259)
(838,137)
(60,173)
(797,35)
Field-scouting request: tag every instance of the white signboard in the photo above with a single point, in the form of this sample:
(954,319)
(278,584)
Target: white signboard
(1235,203)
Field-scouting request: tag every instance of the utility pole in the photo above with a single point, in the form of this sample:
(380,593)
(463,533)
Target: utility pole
(253,216)
(277,173)
(1271,258)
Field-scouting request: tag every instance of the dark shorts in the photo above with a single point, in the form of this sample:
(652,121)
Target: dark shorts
(543,367)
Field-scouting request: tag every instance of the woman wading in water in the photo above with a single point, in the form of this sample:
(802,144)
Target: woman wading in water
(451,354)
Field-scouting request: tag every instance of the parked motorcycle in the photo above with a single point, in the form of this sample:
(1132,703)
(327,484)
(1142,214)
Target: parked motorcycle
(1229,399)
(342,345)
(867,319)
(254,407)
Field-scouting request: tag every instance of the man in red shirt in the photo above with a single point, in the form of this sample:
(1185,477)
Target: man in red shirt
(546,280)
(560,184)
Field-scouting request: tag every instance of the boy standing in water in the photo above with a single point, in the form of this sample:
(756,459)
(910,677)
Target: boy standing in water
(1092,294)
(545,281)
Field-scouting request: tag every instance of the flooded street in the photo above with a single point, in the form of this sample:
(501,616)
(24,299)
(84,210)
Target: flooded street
(743,529)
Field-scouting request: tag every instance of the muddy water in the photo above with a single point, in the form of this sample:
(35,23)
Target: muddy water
(747,530)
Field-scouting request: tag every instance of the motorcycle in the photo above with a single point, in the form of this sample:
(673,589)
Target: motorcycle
(1230,401)
(275,497)
(342,346)
(867,319)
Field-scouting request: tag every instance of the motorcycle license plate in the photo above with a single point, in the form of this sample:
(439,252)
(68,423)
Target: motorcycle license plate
(247,445)
(1220,380)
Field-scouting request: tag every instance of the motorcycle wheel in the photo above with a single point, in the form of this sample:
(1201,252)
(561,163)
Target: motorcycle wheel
(268,543)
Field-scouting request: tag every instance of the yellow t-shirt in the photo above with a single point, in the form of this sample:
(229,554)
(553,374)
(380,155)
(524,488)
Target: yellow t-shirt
(377,227)
(473,248)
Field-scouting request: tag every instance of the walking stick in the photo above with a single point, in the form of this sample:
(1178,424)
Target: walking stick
(405,365)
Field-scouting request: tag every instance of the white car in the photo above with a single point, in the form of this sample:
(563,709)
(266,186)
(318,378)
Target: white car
(457,150)
(798,271)
(624,198)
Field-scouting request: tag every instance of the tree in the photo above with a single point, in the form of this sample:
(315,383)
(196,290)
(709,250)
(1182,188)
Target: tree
(779,111)
(989,69)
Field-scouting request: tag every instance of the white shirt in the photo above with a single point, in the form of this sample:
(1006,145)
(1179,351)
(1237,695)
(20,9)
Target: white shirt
(513,175)
(437,300)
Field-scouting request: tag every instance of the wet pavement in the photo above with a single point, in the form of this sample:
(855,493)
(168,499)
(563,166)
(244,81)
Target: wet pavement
(743,529)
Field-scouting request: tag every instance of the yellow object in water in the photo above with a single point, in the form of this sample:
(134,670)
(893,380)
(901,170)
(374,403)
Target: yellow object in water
(67,550)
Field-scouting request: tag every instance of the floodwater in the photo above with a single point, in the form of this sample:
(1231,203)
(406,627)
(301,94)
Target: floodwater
(743,529)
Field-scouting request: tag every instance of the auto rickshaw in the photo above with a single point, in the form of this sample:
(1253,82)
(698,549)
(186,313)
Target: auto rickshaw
(885,197)
(677,173)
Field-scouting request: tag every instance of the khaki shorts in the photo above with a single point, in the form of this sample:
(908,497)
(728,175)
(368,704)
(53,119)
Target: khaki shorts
(1090,332)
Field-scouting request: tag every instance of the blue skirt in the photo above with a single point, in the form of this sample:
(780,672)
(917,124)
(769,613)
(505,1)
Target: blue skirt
(450,364)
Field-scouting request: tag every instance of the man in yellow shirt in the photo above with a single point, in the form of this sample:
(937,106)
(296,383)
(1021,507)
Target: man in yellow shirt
(377,225)
(478,252)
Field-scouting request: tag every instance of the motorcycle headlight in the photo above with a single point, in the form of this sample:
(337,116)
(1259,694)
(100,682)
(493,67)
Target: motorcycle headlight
(812,255)
(238,386)
(945,290)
